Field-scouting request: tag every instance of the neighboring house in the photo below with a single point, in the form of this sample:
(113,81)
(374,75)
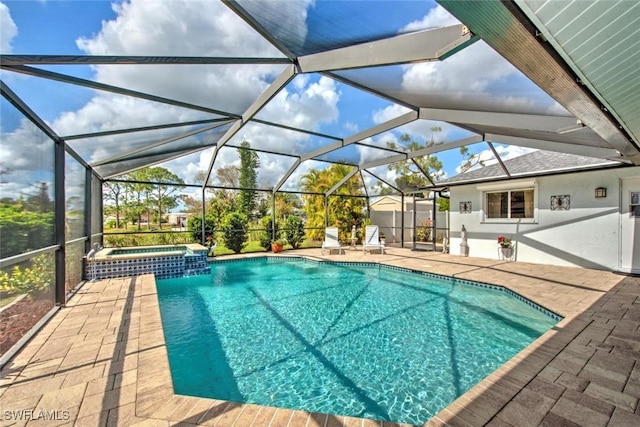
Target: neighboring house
(178,219)
(558,209)
(386,212)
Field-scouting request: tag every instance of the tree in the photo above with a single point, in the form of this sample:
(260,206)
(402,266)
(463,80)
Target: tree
(411,173)
(286,204)
(249,163)
(138,191)
(163,192)
(469,159)
(40,202)
(113,191)
(343,211)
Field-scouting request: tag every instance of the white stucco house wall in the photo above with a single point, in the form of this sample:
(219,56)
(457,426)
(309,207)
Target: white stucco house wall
(549,208)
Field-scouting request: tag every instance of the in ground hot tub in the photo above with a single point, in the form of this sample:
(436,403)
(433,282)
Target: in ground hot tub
(164,261)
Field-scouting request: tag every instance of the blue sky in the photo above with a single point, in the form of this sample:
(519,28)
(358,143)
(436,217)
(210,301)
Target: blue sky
(309,101)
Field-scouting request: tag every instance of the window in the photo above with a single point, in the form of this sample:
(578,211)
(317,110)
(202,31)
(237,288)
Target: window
(634,206)
(510,204)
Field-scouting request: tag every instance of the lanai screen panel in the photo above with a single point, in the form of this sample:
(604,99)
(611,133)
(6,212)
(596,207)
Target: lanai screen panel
(111,170)
(476,78)
(324,25)
(103,148)
(280,140)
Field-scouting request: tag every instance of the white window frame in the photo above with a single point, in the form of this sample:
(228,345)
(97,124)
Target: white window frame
(508,188)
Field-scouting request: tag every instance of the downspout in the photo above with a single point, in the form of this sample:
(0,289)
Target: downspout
(434,222)
(401,221)
(273,217)
(202,226)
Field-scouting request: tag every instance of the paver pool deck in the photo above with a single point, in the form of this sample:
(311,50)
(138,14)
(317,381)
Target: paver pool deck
(101,360)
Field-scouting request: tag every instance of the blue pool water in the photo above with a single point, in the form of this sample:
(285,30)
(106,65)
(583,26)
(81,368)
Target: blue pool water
(362,341)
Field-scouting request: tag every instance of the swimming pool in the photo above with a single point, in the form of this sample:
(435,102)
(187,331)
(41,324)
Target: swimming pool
(358,340)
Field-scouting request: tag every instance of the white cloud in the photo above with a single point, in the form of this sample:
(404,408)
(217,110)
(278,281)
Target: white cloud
(437,17)
(8,29)
(304,105)
(26,148)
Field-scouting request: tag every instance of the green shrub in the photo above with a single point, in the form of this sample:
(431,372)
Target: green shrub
(194,225)
(423,231)
(267,232)
(234,227)
(294,230)
(23,231)
(29,280)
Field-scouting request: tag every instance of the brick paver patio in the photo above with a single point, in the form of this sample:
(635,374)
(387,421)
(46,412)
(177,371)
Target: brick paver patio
(102,359)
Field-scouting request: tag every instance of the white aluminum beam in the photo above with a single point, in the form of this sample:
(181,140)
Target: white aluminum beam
(342,181)
(580,150)
(281,81)
(286,176)
(382,127)
(433,45)
(423,152)
(535,122)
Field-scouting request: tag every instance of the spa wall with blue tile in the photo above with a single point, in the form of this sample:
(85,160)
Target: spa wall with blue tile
(164,267)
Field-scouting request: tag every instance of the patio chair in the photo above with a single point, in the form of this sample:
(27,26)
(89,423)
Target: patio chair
(372,239)
(331,240)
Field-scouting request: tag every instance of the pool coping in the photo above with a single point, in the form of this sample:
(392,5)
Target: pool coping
(105,254)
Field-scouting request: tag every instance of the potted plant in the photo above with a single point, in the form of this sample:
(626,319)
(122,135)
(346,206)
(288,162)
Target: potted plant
(278,245)
(506,246)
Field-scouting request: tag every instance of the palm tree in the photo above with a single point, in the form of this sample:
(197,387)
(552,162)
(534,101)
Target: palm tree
(342,211)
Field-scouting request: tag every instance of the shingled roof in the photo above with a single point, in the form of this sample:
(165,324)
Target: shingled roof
(535,163)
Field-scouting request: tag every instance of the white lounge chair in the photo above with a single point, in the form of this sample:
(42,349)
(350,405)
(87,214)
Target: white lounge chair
(372,239)
(331,240)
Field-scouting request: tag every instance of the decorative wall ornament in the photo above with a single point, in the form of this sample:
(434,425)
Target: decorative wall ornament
(561,203)
(465,207)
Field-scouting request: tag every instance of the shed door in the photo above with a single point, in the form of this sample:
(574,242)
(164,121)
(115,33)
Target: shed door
(630,226)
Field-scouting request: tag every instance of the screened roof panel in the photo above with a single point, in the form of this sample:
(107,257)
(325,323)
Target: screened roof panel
(197,141)
(476,78)
(88,110)
(111,170)
(349,154)
(279,140)
(191,167)
(323,25)
(272,168)
(225,88)
(338,109)
(376,187)
(135,144)
(131,28)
